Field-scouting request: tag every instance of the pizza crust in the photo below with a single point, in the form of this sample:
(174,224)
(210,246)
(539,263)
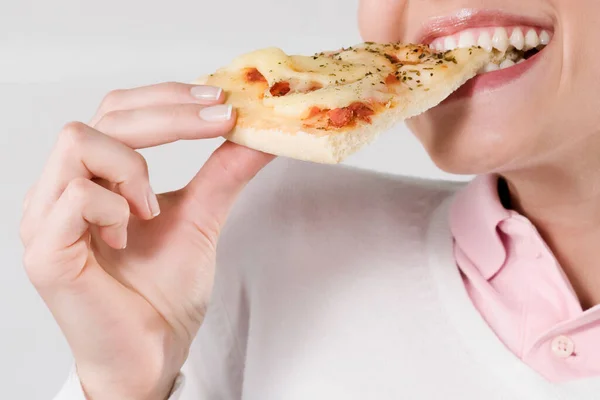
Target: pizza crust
(289,139)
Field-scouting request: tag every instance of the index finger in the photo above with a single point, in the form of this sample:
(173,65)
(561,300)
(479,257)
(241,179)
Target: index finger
(158,95)
(154,126)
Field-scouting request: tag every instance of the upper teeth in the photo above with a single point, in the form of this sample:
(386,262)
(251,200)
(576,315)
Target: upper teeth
(517,39)
(466,40)
(485,41)
(532,39)
(498,38)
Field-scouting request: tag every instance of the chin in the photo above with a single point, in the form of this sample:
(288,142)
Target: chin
(458,145)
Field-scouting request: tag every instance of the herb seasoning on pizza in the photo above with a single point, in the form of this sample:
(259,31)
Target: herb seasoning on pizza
(323,108)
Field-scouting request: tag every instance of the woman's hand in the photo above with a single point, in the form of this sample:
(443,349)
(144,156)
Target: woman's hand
(129,287)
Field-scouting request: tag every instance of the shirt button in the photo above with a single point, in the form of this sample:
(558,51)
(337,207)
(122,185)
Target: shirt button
(563,347)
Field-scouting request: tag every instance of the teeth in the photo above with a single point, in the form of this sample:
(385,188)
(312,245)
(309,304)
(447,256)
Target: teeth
(544,38)
(500,39)
(449,43)
(507,64)
(517,40)
(491,67)
(485,41)
(531,40)
(466,39)
(521,39)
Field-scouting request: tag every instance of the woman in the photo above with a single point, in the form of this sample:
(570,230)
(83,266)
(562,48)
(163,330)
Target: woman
(334,283)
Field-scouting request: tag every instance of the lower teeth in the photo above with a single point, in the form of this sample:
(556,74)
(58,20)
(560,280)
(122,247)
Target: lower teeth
(507,63)
(490,67)
(508,59)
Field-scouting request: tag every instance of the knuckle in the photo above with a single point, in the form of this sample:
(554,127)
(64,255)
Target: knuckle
(140,165)
(77,191)
(135,167)
(108,118)
(111,100)
(73,134)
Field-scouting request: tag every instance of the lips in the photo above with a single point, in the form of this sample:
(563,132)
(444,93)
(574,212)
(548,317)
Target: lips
(468,18)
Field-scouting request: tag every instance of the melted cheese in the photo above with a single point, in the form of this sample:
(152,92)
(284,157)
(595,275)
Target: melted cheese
(347,76)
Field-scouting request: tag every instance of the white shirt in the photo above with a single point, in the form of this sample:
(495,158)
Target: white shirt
(335,283)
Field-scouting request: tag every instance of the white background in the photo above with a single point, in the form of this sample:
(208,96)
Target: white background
(58,58)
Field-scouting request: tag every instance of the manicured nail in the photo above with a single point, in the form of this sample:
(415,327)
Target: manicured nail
(206,92)
(153,206)
(221,112)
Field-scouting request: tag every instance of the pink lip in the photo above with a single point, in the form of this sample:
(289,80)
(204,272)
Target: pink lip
(469,18)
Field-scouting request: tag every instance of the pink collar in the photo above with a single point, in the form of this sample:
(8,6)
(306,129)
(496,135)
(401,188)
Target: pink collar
(474,218)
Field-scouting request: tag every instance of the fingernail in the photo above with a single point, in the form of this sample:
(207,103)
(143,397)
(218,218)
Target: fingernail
(221,112)
(206,92)
(153,206)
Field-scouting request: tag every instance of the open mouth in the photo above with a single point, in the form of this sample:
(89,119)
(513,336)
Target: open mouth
(510,45)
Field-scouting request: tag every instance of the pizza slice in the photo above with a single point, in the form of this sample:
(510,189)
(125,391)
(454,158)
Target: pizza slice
(324,107)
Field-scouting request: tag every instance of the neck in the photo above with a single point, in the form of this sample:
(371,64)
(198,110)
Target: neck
(564,205)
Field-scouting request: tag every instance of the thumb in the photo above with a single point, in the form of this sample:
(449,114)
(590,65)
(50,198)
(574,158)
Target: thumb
(217,185)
